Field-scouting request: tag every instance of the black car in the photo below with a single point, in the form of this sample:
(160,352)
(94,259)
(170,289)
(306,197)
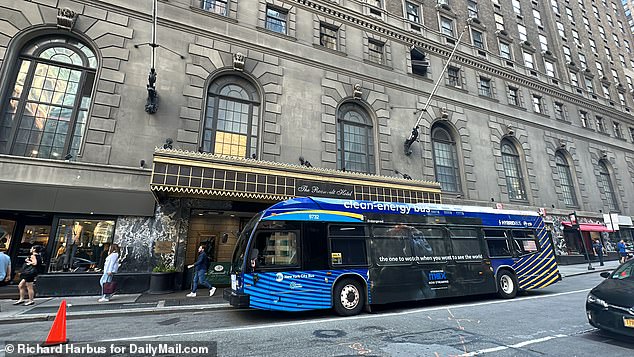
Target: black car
(610,305)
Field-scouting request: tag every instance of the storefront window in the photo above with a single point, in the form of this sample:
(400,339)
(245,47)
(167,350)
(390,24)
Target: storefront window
(81,245)
(32,235)
(6,232)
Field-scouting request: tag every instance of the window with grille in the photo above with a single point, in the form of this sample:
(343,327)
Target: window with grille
(276,19)
(513,171)
(446,26)
(478,39)
(537,104)
(413,12)
(565,179)
(231,119)
(505,50)
(375,51)
(559,111)
(605,184)
(355,139)
(46,110)
(445,159)
(453,75)
(328,36)
(216,6)
(513,96)
(485,87)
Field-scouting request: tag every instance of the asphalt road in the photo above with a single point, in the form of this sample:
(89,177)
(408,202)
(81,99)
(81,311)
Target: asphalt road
(549,322)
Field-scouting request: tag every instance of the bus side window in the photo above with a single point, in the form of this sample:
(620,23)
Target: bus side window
(347,245)
(276,248)
(497,243)
(525,241)
(464,241)
(392,245)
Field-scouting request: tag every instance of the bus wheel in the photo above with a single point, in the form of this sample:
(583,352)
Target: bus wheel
(507,284)
(348,297)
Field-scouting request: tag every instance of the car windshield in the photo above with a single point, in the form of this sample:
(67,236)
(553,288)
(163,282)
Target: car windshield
(624,272)
(241,245)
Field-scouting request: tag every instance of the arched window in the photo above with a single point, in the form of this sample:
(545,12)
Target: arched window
(605,183)
(355,143)
(232,118)
(513,171)
(445,159)
(46,110)
(565,179)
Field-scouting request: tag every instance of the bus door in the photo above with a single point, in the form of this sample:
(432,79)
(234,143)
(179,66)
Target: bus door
(393,273)
(498,247)
(473,273)
(275,267)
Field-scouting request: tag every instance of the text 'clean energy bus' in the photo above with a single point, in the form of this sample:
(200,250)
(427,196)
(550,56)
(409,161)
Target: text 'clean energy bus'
(318,253)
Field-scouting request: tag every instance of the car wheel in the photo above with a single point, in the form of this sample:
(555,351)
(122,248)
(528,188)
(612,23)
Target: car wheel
(348,297)
(507,284)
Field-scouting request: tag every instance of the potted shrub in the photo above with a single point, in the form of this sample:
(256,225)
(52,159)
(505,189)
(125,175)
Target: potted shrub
(162,279)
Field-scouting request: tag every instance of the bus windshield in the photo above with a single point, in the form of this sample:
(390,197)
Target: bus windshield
(241,245)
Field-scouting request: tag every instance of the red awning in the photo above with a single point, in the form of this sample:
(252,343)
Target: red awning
(589,227)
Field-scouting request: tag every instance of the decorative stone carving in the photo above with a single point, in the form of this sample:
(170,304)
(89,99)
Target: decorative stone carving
(356,94)
(66,18)
(238,61)
(510,131)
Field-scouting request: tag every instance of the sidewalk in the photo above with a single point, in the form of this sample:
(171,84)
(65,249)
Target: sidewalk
(80,307)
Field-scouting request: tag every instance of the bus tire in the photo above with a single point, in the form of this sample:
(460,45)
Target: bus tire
(507,284)
(348,297)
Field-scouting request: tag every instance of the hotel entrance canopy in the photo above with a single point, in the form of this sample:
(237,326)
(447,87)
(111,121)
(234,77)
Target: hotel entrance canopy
(193,174)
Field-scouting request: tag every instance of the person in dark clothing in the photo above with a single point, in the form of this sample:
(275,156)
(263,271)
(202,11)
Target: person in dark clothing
(598,250)
(200,272)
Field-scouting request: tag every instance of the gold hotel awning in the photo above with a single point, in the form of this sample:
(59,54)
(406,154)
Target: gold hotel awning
(186,173)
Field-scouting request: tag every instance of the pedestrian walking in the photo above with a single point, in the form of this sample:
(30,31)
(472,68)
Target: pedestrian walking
(110,267)
(200,273)
(5,269)
(597,247)
(33,265)
(620,247)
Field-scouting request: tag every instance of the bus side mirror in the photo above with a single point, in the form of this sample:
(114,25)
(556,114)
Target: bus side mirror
(254,254)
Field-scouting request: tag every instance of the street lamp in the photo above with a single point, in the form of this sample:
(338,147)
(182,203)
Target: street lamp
(575,225)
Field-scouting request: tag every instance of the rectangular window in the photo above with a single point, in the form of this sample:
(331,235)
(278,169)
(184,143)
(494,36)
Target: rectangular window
(567,55)
(600,125)
(347,245)
(472,8)
(375,53)
(617,130)
(276,19)
(276,248)
(583,61)
(575,37)
(574,79)
(606,92)
(517,7)
(453,76)
(583,116)
(7,228)
(622,99)
(389,243)
(328,36)
(497,243)
(81,245)
(429,242)
(478,39)
(525,242)
(485,87)
(632,134)
(538,17)
(599,69)
(560,29)
(559,111)
(593,45)
(521,29)
(630,85)
(529,61)
(571,17)
(589,85)
(216,6)
(555,6)
(464,241)
(513,96)
(543,41)
(505,51)
(499,21)
(446,26)
(550,69)
(537,104)
(413,12)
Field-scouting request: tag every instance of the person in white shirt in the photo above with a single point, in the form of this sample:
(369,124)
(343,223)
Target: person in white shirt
(110,267)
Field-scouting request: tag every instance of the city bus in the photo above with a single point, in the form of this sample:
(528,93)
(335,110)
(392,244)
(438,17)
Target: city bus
(319,253)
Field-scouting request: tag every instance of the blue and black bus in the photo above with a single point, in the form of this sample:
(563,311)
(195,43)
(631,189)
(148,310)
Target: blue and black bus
(318,253)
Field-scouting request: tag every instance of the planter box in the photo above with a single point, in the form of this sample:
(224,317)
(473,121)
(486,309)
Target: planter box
(161,283)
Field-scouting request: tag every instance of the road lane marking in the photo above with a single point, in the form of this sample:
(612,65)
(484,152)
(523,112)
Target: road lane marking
(517,345)
(344,319)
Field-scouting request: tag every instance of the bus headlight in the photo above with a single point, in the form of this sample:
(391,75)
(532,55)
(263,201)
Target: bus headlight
(595,300)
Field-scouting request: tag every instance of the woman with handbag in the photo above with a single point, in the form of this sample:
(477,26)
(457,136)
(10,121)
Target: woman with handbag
(110,267)
(28,274)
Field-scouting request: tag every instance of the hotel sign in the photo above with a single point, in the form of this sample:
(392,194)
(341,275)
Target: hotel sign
(323,189)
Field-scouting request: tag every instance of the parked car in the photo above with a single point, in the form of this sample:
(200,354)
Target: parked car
(610,305)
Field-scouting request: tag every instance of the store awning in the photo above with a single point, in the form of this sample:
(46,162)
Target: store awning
(589,227)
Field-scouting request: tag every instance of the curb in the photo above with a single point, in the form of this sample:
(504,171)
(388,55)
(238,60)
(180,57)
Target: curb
(596,270)
(107,313)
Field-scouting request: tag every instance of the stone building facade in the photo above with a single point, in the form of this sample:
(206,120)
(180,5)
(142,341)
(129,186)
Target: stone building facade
(533,111)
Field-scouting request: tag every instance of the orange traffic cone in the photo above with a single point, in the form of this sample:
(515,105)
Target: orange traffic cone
(57,334)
